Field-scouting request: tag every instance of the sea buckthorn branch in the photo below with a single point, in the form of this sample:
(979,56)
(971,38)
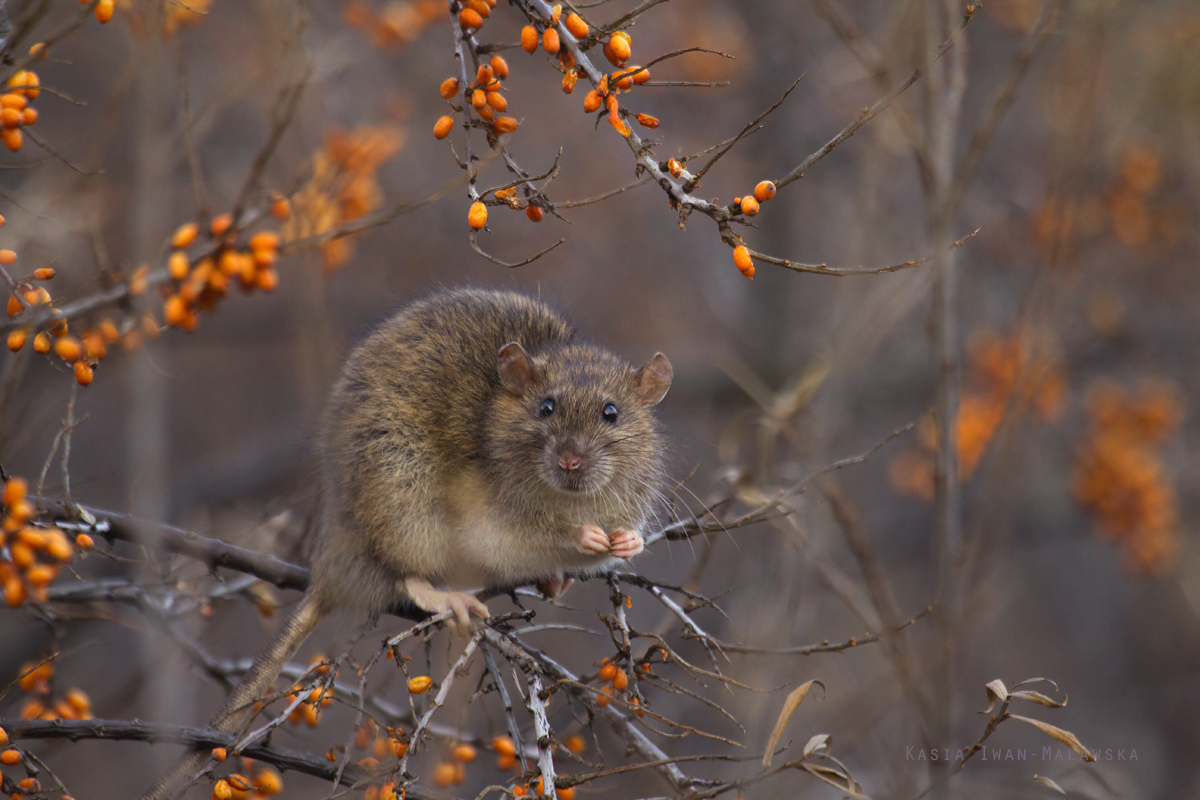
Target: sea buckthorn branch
(458,668)
(213,552)
(514,730)
(680,195)
(199,738)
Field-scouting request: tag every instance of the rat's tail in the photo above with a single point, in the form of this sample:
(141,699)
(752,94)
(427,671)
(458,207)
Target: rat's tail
(240,705)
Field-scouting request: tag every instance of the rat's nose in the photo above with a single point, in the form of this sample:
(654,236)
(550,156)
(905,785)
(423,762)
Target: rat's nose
(569,460)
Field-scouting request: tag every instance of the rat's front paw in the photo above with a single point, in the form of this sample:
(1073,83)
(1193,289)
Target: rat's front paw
(592,540)
(626,544)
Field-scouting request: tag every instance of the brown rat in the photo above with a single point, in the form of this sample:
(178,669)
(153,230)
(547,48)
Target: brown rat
(473,440)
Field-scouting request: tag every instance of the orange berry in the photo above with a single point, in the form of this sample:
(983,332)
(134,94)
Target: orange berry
(499,67)
(640,75)
(441,129)
(84,542)
(222,790)
(505,125)
(483,76)
(264,240)
(15,306)
(41,343)
(620,125)
(10,758)
(11,117)
(464,753)
(83,373)
(480,6)
(94,347)
(38,51)
(478,99)
(16,101)
(741,258)
(109,331)
(268,279)
(14,593)
(647,121)
(567,793)
(184,236)
(421,683)
(576,25)
(764,191)
(505,763)
(16,340)
(444,774)
(608,672)
(3,737)
(56,544)
(476,218)
(68,349)
(570,78)
(620,681)
(219,754)
(591,101)
(8,257)
(504,746)
(399,748)
(575,743)
(621,45)
(449,88)
(605,696)
(175,310)
(550,41)
(104,11)
(486,113)
(220,223)
(365,734)
(519,791)
(529,38)
(469,18)
(556,13)
(268,782)
(14,491)
(43,274)
(534,213)
(178,265)
(749,206)
(497,101)
(281,209)
(22,554)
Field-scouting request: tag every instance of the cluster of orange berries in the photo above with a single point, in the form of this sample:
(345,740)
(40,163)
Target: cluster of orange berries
(82,355)
(35,681)
(309,711)
(369,737)
(1002,370)
(265,783)
(11,757)
(1121,478)
(15,111)
(35,555)
(394,25)
(201,286)
(484,95)
(747,205)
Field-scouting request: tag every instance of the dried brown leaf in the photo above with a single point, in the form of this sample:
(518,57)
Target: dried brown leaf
(1039,698)
(1066,737)
(794,699)
(996,692)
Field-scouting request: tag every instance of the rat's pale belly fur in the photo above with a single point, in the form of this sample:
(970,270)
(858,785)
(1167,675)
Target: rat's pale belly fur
(484,549)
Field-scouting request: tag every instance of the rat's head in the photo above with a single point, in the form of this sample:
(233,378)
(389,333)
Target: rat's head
(580,418)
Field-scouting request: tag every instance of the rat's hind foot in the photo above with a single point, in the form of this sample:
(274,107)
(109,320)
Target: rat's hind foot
(435,601)
(626,544)
(592,540)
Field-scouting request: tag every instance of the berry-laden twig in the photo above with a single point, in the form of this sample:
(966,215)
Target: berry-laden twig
(570,38)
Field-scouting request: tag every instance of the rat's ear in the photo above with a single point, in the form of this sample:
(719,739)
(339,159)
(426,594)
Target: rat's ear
(516,368)
(653,379)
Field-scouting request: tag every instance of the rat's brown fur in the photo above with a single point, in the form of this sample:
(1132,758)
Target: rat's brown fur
(439,466)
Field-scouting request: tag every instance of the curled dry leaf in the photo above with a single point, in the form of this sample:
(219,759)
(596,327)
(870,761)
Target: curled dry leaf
(1066,737)
(1039,698)
(819,742)
(996,692)
(1044,781)
(789,707)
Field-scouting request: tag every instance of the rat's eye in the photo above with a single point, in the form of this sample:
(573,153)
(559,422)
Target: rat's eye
(547,407)
(610,414)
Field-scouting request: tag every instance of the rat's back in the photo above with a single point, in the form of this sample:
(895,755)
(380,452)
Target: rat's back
(410,406)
